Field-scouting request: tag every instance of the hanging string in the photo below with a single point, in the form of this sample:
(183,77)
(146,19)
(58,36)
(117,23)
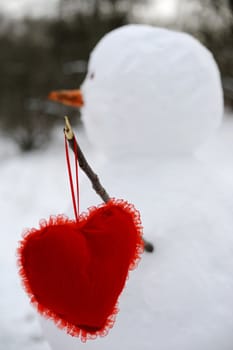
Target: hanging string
(74,200)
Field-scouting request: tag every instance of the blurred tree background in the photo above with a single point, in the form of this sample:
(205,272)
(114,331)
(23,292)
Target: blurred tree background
(42,54)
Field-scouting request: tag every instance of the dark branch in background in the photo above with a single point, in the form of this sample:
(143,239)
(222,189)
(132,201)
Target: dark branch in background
(99,189)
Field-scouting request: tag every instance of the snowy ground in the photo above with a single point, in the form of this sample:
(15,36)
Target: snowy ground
(35,185)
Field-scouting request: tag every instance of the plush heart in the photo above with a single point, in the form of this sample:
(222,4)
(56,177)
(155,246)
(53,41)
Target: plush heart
(75,271)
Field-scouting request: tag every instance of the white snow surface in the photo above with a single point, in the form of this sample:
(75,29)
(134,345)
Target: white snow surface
(180,297)
(153,84)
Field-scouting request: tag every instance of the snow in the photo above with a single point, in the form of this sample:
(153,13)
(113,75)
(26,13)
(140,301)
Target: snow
(153,84)
(34,186)
(180,297)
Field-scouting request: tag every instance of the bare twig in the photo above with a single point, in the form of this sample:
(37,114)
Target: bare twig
(84,164)
(90,173)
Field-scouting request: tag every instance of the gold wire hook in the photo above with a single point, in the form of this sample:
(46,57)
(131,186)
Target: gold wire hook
(68,129)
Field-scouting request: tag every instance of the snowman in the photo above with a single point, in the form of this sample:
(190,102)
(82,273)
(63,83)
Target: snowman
(152,97)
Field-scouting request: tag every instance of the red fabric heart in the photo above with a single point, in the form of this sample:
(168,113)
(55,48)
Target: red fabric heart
(75,271)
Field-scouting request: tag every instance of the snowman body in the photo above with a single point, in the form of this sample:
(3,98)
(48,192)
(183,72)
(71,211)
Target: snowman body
(152,97)
(181,295)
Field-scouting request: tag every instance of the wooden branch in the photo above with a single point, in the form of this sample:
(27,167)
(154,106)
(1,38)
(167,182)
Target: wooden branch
(96,184)
(99,189)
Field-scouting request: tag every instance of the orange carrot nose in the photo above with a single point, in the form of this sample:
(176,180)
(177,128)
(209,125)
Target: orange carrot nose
(67,97)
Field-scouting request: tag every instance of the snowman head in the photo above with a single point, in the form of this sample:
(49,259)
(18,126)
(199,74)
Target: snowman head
(150,90)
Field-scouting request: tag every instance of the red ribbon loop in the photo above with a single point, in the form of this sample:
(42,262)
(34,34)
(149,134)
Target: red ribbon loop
(74,200)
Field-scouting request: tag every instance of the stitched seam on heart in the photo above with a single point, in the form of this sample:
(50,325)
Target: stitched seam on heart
(71,329)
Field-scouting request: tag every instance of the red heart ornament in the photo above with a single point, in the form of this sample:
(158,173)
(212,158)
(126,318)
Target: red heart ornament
(74,271)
